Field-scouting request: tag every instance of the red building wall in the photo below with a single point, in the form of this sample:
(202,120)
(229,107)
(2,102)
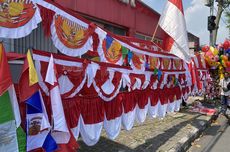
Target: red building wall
(140,19)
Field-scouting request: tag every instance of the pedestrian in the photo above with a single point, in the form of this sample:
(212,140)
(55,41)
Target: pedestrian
(225,93)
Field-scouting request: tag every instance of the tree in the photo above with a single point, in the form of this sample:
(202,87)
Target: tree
(222,4)
(227,14)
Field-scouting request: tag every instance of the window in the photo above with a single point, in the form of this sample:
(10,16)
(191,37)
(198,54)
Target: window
(36,39)
(148,38)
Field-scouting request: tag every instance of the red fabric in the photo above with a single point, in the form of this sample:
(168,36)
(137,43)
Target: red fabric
(169,41)
(171,92)
(14,56)
(134,76)
(129,102)
(163,95)
(142,98)
(26,91)
(72,111)
(178,92)
(5,75)
(178,4)
(154,97)
(113,109)
(92,109)
(102,76)
(47,19)
(95,41)
(75,75)
(71,146)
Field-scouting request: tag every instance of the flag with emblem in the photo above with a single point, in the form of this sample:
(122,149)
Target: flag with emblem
(37,123)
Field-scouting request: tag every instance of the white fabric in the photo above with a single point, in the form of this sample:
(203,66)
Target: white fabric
(142,65)
(102,96)
(173,23)
(50,74)
(162,109)
(223,83)
(24,30)
(8,137)
(136,50)
(65,84)
(41,81)
(112,127)
(91,72)
(108,86)
(128,119)
(177,104)
(164,81)
(44,58)
(141,113)
(171,107)
(147,81)
(126,81)
(152,110)
(90,133)
(60,12)
(69,51)
(36,141)
(102,35)
(14,103)
(137,84)
(76,130)
(60,130)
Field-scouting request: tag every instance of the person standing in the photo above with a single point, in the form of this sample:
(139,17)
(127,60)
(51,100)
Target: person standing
(225,94)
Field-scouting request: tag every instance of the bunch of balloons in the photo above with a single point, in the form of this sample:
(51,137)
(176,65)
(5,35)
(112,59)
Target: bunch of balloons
(219,56)
(211,56)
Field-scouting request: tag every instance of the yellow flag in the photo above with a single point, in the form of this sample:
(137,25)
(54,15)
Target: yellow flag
(33,77)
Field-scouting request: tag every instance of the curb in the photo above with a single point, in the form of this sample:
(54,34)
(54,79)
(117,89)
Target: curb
(184,143)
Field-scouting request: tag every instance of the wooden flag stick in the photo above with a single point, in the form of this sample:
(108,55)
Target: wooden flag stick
(155,31)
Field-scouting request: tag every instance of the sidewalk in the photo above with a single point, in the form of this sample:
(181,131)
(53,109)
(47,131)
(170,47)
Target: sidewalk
(173,133)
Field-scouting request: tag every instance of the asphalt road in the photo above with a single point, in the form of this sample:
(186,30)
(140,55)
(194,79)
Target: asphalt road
(215,139)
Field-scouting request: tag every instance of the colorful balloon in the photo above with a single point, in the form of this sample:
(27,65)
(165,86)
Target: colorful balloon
(215,51)
(226,44)
(205,48)
(225,58)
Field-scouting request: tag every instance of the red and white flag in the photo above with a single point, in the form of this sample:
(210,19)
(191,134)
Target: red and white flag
(60,130)
(172,21)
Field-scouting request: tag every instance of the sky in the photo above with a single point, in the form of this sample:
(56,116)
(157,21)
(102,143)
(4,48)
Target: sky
(196,14)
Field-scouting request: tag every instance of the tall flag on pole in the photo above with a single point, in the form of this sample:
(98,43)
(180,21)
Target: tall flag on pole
(10,132)
(172,21)
(37,122)
(60,130)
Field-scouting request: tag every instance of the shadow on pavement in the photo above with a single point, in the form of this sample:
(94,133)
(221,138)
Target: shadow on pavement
(150,145)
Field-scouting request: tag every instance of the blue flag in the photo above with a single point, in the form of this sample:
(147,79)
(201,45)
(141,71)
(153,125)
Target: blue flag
(38,126)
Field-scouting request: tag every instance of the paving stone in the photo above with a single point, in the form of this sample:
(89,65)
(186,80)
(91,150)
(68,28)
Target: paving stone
(152,135)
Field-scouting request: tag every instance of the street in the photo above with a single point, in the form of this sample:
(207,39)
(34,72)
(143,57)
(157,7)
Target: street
(214,139)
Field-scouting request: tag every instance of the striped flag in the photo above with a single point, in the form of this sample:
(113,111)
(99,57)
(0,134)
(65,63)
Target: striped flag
(12,137)
(172,21)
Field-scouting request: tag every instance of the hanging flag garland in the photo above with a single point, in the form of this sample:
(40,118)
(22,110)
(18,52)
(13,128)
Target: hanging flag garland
(138,62)
(18,18)
(70,37)
(112,51)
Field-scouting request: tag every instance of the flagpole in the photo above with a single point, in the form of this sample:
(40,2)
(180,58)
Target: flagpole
(155,31)
(154,34)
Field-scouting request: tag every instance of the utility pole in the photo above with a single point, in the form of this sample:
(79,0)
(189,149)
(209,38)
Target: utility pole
(211,20)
